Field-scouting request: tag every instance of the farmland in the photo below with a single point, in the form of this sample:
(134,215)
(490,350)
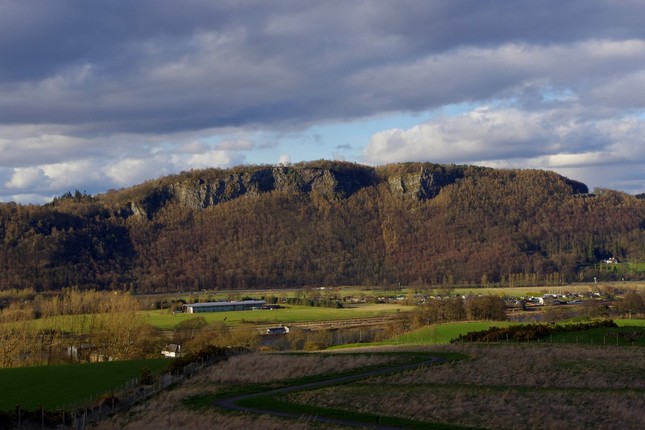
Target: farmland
(376,318)
(290,314)
(55,387)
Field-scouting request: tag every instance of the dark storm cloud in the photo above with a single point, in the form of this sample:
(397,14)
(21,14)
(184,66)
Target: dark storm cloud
(162,66)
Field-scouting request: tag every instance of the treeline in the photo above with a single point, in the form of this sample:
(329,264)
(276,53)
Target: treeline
(406,224)
(74,326)
(450,309)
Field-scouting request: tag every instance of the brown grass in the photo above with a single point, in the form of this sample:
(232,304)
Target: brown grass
(167,411)
(509,388)
(499,386)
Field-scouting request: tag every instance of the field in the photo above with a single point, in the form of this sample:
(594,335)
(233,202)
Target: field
(630,323)
(496,386)
(442,333)
(54,387)
(166,320)
(524,291)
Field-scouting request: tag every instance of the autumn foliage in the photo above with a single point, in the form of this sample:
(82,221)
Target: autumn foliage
(323,223)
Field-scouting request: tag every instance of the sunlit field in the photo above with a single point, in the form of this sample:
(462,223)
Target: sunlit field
(165,319)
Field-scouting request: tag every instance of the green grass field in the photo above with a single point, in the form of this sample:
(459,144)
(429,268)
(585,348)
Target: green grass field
(54,387)
(630,323)
(442,333)
(619,336)
(166,320)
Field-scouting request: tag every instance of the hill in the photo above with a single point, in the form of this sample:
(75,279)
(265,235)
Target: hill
(323,223)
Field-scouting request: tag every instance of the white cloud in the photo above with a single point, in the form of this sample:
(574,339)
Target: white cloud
(481,134)
(558,139)
(27,178)
(284,159)
(128,172)
(213,158)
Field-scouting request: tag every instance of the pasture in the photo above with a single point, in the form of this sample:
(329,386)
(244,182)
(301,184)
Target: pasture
(54,387)
(442,333)
(290,314)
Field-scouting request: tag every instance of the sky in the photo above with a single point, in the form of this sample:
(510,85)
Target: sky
(104,94)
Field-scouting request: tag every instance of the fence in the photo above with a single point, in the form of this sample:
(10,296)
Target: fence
(93,409)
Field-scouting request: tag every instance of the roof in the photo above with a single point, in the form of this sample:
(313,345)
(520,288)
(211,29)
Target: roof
(215,304)
(172,347)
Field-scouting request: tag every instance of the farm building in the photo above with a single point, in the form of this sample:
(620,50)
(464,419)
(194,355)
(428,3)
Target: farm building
(244,305)
(283,329)
(171,350)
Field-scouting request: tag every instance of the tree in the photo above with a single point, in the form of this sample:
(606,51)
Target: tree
(486,308)
(632,303)
(122,331)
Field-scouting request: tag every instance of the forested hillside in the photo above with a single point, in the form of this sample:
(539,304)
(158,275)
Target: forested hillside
(323,223)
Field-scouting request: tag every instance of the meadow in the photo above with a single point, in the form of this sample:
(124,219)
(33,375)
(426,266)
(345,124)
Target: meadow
(165,319)
(56,387)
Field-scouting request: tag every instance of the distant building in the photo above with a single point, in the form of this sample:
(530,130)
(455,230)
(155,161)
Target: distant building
(171,350)
(244,305)
(283,329)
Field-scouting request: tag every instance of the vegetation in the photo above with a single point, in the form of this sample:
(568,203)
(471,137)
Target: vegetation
(290,314)
(529,332)
(325,224)
(67,385)
(498,386)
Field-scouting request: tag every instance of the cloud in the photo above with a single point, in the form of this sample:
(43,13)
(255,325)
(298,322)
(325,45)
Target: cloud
(193,147)
(109,95)
(236,145)
(481,134)
(558,139)
(284,159)
(214,158)
(255,63)
(27,178)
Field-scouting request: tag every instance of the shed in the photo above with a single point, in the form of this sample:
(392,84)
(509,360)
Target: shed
(171,350)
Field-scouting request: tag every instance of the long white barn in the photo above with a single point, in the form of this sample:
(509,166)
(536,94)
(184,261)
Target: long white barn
(244,305)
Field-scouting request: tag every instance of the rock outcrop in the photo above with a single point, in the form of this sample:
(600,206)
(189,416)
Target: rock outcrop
(422,185)
(204,192)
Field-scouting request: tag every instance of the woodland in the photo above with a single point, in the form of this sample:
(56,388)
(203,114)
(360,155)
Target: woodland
(322,224)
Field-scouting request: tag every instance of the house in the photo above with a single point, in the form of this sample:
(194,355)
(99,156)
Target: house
(97,357)
(171,350)
(244,305)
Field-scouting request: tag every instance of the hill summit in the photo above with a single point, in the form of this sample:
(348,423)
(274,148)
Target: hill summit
(322,223)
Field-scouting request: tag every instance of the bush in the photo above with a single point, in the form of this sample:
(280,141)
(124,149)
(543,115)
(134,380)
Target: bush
(527,332)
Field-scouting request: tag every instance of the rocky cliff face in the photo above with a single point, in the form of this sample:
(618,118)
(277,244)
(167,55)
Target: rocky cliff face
(422,185)
(202,193)
(336,180)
